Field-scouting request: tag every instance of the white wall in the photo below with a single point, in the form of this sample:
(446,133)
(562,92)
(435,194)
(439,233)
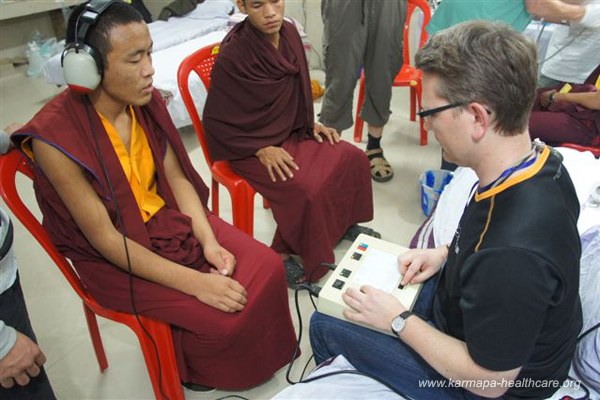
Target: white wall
(308,13)
(16,32)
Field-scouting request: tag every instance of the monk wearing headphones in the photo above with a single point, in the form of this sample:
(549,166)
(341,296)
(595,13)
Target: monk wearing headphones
(122,201)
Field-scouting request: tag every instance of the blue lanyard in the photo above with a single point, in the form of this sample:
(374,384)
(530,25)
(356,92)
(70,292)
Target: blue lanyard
(526,162)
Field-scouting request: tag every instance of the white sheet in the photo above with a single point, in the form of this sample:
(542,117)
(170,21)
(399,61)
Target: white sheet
(209,16)
(357,387)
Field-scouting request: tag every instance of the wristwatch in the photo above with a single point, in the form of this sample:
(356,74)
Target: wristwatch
(551,99)
(399,322)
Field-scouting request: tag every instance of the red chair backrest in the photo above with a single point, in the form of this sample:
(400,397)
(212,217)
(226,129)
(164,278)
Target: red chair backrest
(412,6)
(10,164)
(595,150)
(200,62)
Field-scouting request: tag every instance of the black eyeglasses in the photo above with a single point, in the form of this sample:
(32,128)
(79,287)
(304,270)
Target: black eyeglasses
(428,113)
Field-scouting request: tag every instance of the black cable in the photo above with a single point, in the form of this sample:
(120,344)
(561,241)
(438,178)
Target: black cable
(563,46)
(232,396)
(537,40)
(306,366)
(581,385)
(297,349)
(313,294)
(314,291)
(124,234)
(584,334)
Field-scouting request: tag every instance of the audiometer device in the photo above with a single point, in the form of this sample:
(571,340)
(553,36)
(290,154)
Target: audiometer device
(369,261)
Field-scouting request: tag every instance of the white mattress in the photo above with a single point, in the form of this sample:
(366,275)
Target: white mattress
(209,16)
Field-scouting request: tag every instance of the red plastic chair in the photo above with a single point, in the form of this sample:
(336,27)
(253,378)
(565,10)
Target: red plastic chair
(242,194)
(407,76)
(165,372)
(595,150)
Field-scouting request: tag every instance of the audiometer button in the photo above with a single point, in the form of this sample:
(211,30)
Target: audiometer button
(338,284)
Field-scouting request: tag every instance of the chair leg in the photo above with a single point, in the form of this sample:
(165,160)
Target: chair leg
(413,108)
(92,324)
(424,140)
(166,372)
(242,197)
(358,122)
(215,197)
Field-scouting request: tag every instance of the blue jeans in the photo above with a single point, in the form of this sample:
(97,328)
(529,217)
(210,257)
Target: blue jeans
(383,356)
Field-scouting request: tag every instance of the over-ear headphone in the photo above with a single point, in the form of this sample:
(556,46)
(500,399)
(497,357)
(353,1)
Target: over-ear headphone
(82,64)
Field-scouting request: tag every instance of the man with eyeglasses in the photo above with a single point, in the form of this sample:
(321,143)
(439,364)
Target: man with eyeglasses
(505,308)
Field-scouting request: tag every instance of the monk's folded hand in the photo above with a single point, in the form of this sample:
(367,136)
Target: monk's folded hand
(330,134)
(220,258)
(220,292)
(279,163)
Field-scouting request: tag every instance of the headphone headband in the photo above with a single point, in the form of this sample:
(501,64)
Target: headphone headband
(89,17)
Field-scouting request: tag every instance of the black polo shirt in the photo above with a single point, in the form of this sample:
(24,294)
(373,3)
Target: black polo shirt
(510,285)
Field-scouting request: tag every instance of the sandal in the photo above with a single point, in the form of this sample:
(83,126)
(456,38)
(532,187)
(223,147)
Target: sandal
(381,170)
(355,230)
(294,273)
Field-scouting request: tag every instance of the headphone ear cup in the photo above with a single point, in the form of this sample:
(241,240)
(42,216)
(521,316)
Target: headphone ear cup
(82,67)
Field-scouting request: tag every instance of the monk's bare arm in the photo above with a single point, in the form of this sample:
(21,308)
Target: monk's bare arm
(187,199)
(92,218)
(190,204)
(589,100)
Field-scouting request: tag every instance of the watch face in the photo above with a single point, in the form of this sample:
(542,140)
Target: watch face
(398,324)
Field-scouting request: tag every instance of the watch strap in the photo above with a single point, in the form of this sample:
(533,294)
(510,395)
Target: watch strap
(405,315)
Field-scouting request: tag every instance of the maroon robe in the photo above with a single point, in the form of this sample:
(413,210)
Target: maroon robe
(260,96)
(564,122)
(214,348)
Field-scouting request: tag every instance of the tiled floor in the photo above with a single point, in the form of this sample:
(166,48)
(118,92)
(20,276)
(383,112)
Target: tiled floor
(56,311)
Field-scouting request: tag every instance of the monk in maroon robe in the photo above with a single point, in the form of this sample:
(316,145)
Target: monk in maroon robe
(259,116)
(223,293)
(571,116)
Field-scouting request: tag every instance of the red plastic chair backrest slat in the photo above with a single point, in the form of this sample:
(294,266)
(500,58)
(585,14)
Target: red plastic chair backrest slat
(412,6)
(200,62)
(594,150)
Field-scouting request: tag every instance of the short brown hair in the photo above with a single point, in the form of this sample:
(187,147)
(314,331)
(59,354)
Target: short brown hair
(486,62)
